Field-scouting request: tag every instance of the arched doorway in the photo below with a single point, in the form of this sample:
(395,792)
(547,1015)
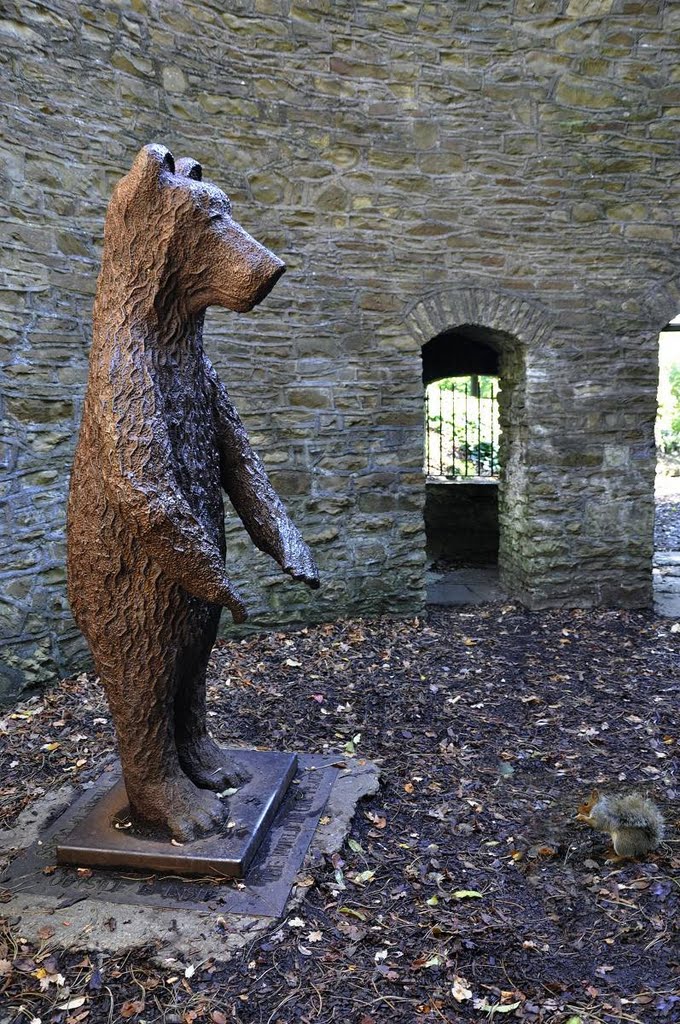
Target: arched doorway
(470,375)
(667,487)
(511,336)
(460,376)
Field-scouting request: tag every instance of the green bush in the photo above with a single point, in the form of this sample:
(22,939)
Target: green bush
(668,419)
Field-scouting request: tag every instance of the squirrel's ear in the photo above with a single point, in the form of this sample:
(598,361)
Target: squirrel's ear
(152,162)
(594,794)
(190,168)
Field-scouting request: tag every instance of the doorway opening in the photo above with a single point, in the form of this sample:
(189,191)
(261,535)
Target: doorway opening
(478,330)
(666,574)
(462,463)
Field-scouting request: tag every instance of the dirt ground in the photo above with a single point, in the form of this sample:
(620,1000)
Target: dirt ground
(466,888)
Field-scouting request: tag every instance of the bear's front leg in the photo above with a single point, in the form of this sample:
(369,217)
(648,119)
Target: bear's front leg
(251,493)
(293,555)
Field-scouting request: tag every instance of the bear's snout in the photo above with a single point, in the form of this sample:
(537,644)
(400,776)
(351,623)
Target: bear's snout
(267,273)
(247,269)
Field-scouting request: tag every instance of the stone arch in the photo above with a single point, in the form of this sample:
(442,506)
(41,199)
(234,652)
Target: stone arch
(662,303)
(500,311)
(517,329)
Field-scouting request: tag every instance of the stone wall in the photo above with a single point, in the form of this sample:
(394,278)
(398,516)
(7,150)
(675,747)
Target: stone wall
(418,165)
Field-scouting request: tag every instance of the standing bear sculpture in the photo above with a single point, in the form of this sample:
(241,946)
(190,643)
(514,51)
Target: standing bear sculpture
(159,441)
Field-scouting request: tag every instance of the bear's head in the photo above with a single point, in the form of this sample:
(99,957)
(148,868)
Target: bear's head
(167,226)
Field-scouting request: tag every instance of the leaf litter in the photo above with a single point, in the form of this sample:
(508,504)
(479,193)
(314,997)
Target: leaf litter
(466,889)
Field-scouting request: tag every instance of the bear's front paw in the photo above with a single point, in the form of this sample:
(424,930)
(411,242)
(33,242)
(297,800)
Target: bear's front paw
(297,560)
(239,612)
(229,597)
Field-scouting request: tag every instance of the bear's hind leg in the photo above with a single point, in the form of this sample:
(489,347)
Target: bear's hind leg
(206,763)
(139,680)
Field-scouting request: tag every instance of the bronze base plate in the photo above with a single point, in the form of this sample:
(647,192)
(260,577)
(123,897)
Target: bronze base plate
(263,893)
(95,842)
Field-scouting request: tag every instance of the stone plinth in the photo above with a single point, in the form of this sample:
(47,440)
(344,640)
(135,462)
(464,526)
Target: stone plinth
(106,838)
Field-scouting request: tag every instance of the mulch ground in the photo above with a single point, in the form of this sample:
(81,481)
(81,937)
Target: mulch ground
(466,889)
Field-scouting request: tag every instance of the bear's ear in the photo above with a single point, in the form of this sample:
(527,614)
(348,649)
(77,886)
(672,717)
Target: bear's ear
(190,168)
(152,161)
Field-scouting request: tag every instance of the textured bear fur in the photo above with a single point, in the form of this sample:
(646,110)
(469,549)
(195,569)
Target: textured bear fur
(159,441)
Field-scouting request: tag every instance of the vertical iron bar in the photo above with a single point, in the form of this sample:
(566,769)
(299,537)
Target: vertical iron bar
(498,428)
(452,423)
(493,418)
(467,450)
(441,423)
(479,431)
(427,432)
(497,424)
(454,471)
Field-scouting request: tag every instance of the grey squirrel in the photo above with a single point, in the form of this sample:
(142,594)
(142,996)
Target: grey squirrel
(634,822)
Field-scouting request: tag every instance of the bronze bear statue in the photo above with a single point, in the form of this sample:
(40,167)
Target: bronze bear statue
(159,440)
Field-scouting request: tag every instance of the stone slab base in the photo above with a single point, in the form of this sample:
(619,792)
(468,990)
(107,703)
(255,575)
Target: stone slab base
(111,912)
(263,892)
(100,838)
